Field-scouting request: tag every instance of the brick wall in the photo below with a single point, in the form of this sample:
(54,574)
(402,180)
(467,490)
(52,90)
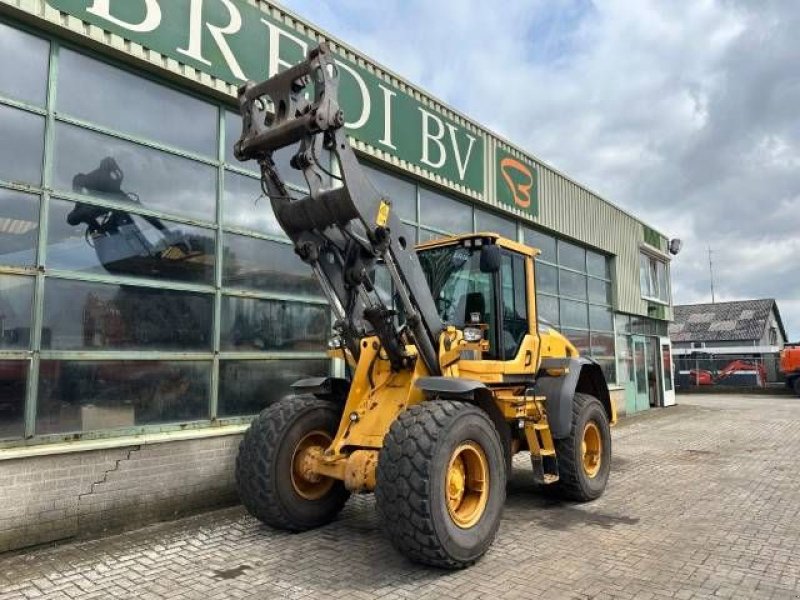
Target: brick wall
(83,494)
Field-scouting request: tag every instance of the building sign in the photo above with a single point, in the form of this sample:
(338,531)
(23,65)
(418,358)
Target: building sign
(235,41)
(517,183)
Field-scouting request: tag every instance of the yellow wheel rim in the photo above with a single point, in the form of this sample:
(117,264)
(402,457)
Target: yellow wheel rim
(467,484)
(306,483)
(592,449)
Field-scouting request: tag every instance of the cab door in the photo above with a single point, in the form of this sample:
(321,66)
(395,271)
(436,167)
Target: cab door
(516,336)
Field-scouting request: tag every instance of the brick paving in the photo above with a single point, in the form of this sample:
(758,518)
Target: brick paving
(703,502)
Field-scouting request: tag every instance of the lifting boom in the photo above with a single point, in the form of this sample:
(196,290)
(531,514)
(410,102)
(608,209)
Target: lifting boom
(341,231)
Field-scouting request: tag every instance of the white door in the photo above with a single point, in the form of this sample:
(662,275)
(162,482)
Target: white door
(667,372)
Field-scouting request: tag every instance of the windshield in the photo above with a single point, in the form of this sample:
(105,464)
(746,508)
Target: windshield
(462,292)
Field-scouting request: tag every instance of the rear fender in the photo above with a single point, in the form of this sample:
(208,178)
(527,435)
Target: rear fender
(334,389)
(582,375)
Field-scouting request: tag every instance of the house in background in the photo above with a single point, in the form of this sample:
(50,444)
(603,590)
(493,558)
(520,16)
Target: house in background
(727,343)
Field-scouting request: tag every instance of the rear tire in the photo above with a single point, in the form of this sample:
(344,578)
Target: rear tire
(796,386)
(583,475)
(432,492)
(265,478)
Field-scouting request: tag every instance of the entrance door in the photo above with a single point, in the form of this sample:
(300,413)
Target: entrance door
(666,371)
(640,373)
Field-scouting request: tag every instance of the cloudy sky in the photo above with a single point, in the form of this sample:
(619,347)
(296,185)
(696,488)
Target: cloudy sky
(685,113)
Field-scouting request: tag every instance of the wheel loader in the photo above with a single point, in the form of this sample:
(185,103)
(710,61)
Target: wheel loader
(450,375)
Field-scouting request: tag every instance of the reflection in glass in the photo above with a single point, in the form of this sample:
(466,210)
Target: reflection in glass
(572,284)
(23,65)
(547,309)
(599,291)
(92,239)
(139,175)
(16,303)
(546,278)
(545,243)
(580,339)
(95,91)
(401,192)
(19,228)
(248,386)
(266,265)
(82,316)
(249,324)
(79,396)
(602,344)
(601,317)
(13,381)
(574,314)
(439,211)
(21,161)
(247,206)
(572,256)
(598,265)
(486,221)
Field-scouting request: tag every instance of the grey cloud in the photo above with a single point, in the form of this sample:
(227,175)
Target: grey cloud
(687,114)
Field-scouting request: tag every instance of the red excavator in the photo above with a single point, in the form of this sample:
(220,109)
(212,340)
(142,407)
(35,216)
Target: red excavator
(706,377)
(790,366)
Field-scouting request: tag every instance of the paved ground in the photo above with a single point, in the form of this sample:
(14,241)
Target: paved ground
(704,502)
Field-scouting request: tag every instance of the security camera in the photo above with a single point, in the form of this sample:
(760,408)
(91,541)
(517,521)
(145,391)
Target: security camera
(675,245)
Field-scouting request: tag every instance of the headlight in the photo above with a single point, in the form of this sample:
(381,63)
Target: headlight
(473,334)
(335,343)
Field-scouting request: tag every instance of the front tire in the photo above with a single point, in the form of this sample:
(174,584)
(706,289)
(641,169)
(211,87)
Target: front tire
(441,483)
(269,475)
(584,457)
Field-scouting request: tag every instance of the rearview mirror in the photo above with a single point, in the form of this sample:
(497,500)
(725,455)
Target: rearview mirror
(490,259)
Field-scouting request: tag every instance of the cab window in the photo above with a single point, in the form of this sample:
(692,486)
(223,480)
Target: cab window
(515,305)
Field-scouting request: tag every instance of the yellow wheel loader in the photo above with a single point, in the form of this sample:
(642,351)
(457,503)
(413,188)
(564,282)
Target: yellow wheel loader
(450,374)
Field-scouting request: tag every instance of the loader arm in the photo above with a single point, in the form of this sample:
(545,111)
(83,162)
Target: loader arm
(344,227)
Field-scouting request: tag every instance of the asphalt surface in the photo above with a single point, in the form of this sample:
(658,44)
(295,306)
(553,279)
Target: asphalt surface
(703,502)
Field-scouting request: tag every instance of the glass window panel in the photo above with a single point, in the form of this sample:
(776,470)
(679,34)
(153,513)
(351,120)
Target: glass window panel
(623,323)
(248,386)
(601,318)
(599,291)
(661,276)
(79,396)
(598,264)
(233,131)
(485,221)
(580,339)
(265,265)
(426,235)
(548,310)
(13,383)
(107,167)
(251,325)
(543,242)
(401,192)
(440,212)
(23,65)
(625,359)
(574,314)
(602,344)
(546,278)
(644,276)
(83,316)
(572,284)
(95,91)
(246,205)
(515,305)
(21,161)
(123,243)
(572,256)
(16,304)
(609,368)
(19,228)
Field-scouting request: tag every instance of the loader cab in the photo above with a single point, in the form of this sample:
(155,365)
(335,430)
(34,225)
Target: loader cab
(483,280)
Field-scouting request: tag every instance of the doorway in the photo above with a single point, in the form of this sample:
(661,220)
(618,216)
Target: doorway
(641,373)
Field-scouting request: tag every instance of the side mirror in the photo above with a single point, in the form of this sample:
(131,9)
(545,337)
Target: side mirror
(490,258)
